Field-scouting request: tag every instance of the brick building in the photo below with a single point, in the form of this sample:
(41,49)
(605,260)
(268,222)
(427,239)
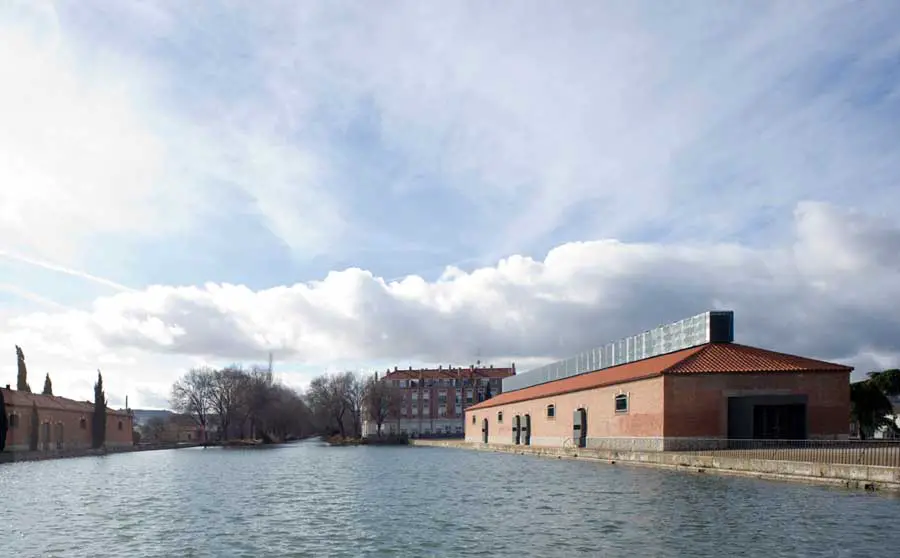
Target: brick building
(702,395)
(432,402)
(63,423)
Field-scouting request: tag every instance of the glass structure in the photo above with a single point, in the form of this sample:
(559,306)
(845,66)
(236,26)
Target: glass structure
(708,327)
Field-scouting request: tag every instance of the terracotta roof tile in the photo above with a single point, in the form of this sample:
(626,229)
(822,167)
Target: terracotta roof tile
(732,357)
(24,399)
(712,358)
(631,371)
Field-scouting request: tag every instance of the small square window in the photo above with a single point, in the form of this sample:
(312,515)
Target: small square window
(622,403)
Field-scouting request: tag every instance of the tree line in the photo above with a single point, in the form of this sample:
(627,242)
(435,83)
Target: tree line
(237,403)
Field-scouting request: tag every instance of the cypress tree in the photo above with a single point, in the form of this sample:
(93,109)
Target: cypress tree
(98,426)
(22,378)
(48,386)
(4,422)
(35,426)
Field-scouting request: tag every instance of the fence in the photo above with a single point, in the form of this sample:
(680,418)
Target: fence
(883,453)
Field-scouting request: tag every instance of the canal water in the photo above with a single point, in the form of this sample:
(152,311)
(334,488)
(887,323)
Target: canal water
(310,500)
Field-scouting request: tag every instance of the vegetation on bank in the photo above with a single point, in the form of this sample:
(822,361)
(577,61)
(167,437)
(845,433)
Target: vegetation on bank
(870,404)
(234,403)
(389,440)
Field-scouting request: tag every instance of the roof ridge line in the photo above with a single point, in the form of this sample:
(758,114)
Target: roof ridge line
(688,358)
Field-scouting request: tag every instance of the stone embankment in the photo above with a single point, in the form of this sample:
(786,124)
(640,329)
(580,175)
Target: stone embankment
(851,476)
(14,456)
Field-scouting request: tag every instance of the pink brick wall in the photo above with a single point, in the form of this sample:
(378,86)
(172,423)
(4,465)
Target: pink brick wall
(697,405)
(644,417)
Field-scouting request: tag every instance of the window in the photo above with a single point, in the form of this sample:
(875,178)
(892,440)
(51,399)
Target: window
(622,403)
(473,419)
(500,416)
(120,425)
(551,411)
(13,420)
(82,423)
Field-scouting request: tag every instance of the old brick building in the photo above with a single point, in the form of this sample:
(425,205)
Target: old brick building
(433,401)
(702,395)
(64,424)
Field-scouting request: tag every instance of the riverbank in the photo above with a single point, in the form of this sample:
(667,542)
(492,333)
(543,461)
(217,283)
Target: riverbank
(368,441)
(17,456)
(850,476)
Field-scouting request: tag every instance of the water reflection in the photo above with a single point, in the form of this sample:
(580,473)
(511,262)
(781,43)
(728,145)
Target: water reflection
(309,500)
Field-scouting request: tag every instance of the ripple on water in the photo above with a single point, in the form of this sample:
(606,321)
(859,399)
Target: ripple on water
(311,500)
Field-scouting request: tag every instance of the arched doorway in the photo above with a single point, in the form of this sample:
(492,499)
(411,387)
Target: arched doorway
(526,431)
(59,435)
(484,431)
(579,428)
(517,430)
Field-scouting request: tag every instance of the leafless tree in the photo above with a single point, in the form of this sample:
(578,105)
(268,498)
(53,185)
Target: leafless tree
(382,401)
(227,390)
(194,395)
(331,399)
(354,389)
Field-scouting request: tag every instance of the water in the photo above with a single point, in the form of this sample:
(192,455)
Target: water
(311,500)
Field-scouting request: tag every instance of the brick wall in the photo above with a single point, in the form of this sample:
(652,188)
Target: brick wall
(64,429)
(644,417)
(697,405)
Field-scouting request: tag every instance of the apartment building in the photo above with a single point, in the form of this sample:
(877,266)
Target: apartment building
(432,401)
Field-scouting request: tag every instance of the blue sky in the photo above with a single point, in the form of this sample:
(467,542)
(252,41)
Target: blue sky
(186,183)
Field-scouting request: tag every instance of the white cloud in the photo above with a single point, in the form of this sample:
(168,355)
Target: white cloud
(795,298)
(90,149)
(623,117)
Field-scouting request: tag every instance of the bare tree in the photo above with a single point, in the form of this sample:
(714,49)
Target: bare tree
(354,389)
(382,401)
(193,394)
(227,387)
(256,394)
(332,399)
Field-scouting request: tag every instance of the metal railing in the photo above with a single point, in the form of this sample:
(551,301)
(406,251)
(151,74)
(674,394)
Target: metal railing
(884,453)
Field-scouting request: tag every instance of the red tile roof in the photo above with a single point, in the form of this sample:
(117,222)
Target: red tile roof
(712,358)
(449,373)
(21,399)
(732,357)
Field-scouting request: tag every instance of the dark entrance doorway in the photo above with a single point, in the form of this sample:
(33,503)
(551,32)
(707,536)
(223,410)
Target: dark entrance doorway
(579,428)
(484,431)
(526,430)
(767,417)
(517,430)
(779,422)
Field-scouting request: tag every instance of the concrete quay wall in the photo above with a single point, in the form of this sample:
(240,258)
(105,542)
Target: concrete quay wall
(851,476)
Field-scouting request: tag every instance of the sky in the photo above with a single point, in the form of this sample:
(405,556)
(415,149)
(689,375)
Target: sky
(357,188)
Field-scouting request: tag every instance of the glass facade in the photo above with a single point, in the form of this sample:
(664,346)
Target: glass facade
(697,330)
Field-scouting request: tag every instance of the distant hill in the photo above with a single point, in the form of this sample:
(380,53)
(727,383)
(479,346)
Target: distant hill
(141,416)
